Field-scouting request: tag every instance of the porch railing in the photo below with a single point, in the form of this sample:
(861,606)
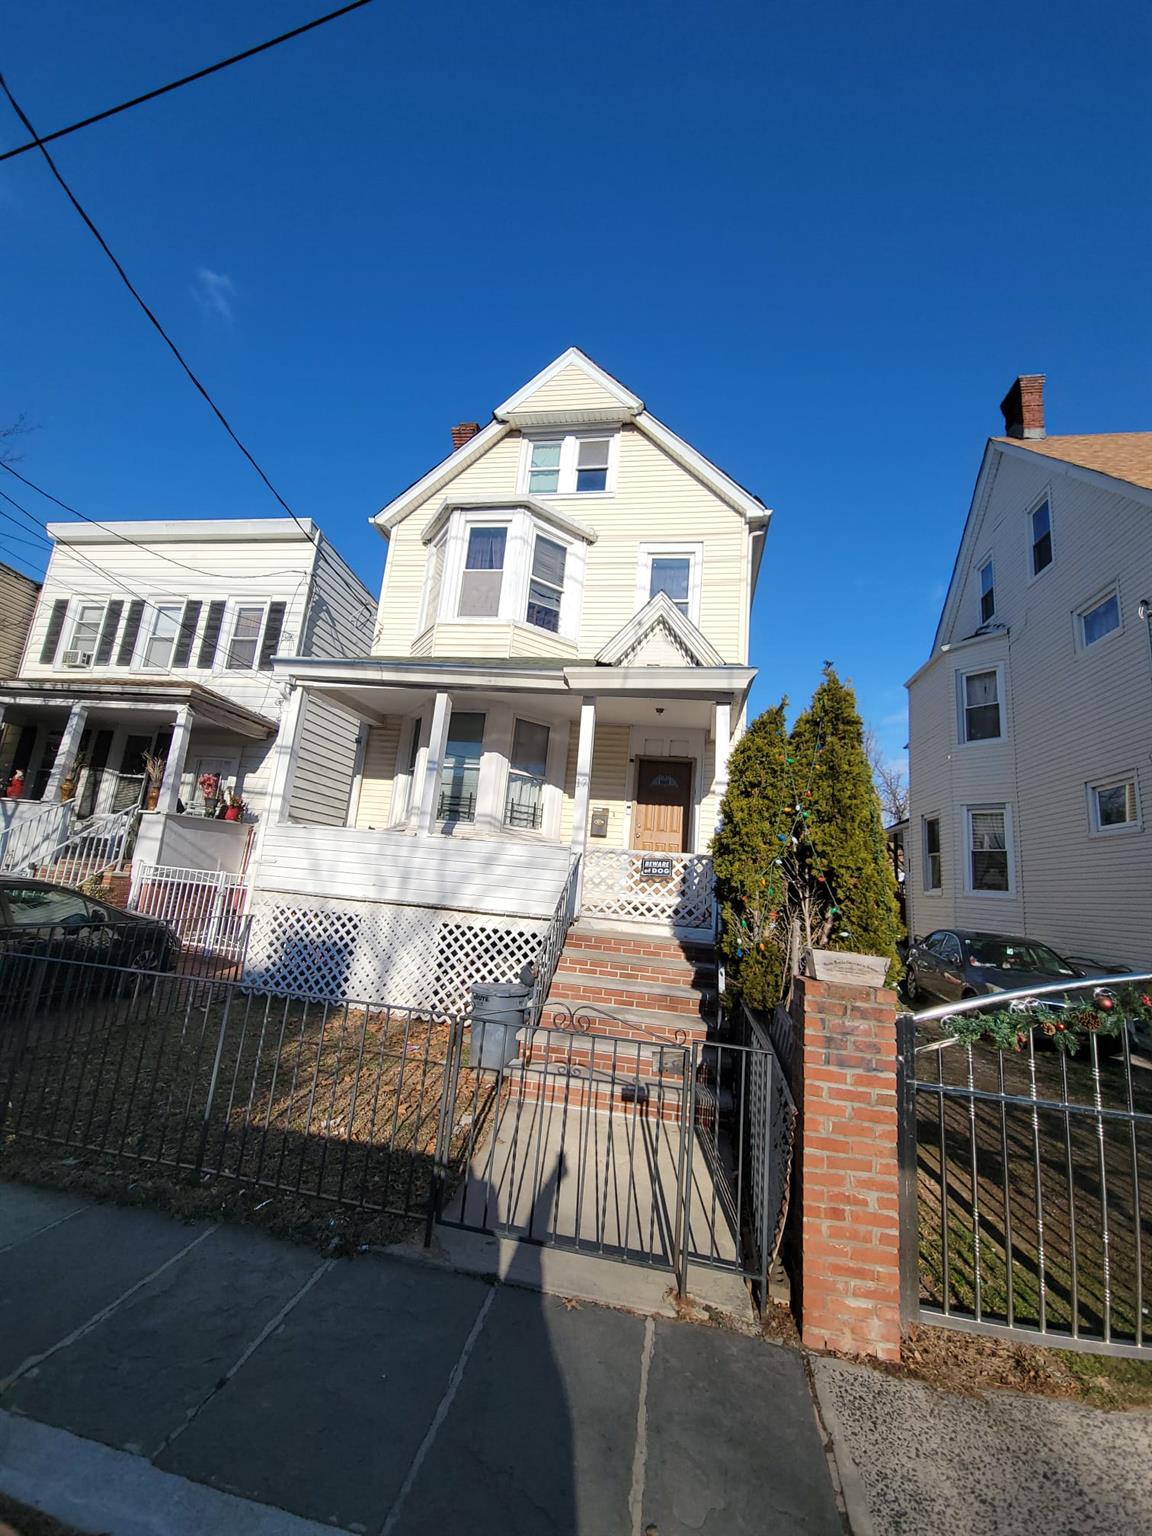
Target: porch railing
(31,840)
(92,848)
(673,888)
(552,944)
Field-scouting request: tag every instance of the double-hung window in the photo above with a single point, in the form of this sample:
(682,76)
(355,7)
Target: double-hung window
(573,464)
(546,583)
(671,574)
(987,592)
(988,849)
(981,705)
(161,642)
(526,775)
(1100,618)
(245,641)
(933,863)
(1041,520)
(460,773)
(86,632)
(673,569)
(483,574)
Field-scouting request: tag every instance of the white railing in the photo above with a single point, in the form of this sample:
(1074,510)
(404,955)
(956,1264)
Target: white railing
(92,847)
(672,889)
(206,909)
(33,834)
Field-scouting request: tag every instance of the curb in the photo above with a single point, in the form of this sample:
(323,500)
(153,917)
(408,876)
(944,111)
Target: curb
(855,1499)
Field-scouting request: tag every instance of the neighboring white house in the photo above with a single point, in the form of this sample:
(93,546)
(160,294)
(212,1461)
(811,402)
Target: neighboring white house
(1031,723)
(158,638)
(559,666)
(18,594)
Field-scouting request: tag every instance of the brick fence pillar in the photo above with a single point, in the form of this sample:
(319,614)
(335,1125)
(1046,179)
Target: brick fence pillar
(849,1170)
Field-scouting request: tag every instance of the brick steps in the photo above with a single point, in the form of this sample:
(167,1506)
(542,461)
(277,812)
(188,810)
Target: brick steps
(669,970)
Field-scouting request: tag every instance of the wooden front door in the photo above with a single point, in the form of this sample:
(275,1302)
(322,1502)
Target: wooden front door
(662,820)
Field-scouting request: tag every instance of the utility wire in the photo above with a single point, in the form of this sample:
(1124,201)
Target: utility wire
(127,281)
(175,85)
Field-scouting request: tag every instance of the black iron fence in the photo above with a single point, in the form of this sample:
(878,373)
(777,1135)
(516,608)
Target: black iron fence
(657,1152)
(1026,1166)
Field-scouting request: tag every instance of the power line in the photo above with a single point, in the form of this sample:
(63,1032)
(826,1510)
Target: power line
(127,281)
(175,85)
(135,543)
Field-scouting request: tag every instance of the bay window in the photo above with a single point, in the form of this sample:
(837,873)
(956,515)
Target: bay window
(483,574)
(981,705)
(526,775)
(546,583)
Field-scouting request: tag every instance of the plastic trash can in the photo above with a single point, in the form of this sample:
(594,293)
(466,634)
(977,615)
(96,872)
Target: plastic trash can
(499,1013)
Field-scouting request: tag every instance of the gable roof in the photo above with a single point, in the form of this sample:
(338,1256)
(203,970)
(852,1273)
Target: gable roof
(659,612)
(600,398)
(1123,455)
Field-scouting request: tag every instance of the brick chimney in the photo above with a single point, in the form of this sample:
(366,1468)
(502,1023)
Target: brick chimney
(1023,407)
(464,433)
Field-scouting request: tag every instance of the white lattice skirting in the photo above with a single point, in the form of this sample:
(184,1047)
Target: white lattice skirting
(412,957)
(615,885)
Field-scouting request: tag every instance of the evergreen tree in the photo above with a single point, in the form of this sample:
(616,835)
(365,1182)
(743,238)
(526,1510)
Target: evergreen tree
(750,884)
(851,890)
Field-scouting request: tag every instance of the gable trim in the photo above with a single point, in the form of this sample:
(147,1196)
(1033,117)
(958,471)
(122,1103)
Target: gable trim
(755,513)
(657,611)
(505,504)
(573,357)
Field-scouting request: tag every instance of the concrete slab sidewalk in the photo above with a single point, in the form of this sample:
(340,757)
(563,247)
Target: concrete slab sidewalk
(375,1394)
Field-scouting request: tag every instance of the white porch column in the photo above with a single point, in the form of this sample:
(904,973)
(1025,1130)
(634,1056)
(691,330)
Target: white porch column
(580,799)
(434,762)
(722,730)
(174,762)
(69,746)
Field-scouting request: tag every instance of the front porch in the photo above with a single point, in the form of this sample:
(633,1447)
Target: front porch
(74,773)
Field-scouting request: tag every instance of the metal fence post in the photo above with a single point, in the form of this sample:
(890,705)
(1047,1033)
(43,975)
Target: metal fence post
(909,1195)
(447,1119)
(203,1143)
(682,1225)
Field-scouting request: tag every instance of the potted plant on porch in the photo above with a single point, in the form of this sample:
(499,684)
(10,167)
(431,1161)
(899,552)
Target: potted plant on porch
(154,765)
(237,807)
(209,787)
(71,778)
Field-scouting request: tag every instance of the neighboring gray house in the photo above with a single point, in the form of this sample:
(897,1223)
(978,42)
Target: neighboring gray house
(1031,723)
(18,594)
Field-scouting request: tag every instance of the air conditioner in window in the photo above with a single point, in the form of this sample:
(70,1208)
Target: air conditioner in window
(77,658)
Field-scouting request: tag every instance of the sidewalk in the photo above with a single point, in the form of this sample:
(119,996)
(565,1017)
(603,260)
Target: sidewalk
(371,1395)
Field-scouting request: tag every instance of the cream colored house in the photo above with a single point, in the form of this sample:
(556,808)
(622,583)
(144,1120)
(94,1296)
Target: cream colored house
(158,638)
(559,665)
(1030,775)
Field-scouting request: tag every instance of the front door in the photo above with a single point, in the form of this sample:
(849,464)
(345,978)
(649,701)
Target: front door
(662,820)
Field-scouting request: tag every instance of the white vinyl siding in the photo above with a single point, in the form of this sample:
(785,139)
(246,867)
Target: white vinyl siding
(325,764)
(1114,806)
(1098,619)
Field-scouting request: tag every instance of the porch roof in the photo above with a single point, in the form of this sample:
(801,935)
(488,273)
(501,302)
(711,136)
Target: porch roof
(115,694)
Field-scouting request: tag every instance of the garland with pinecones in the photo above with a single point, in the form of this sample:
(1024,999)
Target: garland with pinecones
(1007,1029)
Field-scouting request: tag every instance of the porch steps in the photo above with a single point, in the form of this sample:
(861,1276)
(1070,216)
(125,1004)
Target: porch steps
(651,988)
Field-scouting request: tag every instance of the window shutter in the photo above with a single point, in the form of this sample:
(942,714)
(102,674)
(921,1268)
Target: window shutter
(55,630)
(273,628)
(187,633)
(108,633)
(210,639)
(131,631)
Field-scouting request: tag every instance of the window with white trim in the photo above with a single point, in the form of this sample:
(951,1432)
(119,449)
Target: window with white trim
(980,705)
(987,592)
(989,856)
(244,644)
(1040,519)
(546,583)
(1113,805)
(1098,619)
(933,862)
(569,464)
(673,569)
(85,633)
(483,575)
(161,641)
(460,772)
(527,773)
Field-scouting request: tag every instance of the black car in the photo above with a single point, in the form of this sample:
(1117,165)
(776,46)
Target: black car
(39,919)
(953,963)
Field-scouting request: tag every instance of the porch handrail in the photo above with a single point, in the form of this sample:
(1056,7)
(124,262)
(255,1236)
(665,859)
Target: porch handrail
(555,935)
(93,846)
(34,838)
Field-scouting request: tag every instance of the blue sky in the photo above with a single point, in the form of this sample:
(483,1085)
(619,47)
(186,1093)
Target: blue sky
(820,240)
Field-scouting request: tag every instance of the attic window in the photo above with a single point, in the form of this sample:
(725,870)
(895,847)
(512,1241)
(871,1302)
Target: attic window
(575,464)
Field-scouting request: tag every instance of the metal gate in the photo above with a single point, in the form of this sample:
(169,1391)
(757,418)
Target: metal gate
(662,1155)
(206,909)
(1025,1170)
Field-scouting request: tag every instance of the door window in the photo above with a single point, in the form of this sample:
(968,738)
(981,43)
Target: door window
(526,774)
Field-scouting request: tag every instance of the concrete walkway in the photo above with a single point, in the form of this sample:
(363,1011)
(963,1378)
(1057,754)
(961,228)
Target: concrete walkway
(164,1378)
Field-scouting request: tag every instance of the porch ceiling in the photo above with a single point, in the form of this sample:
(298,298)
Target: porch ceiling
(112,702)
